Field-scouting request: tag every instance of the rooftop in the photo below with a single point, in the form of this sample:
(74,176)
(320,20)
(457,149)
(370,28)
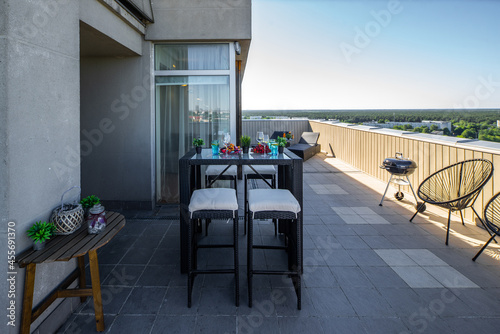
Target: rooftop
(367,269)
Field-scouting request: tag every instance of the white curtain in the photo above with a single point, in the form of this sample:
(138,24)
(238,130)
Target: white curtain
(186,107)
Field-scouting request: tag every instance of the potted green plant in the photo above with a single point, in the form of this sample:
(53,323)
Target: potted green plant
(88,202)
(281,144)
(245,143)
(39,233)
(198,143)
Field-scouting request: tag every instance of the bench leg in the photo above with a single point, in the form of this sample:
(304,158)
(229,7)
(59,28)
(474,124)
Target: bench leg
(96,290)
(82,280)
(29,287)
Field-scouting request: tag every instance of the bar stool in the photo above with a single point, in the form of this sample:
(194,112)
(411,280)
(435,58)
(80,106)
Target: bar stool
(212,203)
(212,172)
(267,172)
(276,204)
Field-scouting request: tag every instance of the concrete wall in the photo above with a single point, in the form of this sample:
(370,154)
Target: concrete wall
(116,128)
(39,89)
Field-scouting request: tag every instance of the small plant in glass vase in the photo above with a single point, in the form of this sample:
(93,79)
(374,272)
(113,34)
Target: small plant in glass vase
(198,143)
(39,233)
(245,143)
(281,144)
(88,202)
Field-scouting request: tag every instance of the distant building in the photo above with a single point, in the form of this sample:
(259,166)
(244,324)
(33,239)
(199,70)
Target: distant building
(440,124)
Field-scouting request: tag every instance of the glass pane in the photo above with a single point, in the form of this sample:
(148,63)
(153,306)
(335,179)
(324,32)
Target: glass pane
(191,57)
(186,107)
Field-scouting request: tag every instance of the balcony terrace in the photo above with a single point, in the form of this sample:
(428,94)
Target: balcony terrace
(367,269)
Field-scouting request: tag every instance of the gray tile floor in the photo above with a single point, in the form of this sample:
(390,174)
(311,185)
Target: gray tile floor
(367,269)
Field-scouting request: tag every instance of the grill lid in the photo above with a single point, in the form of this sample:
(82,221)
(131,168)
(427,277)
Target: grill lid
(399,165)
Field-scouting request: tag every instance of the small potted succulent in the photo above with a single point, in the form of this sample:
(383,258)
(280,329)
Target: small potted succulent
(39,233)
(289,135)
(245,143)
(198,143)
(281,144)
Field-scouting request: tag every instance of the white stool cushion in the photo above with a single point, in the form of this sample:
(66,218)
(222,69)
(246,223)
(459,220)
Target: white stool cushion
(213,199)
(272,200)
(217,169)
(261,169)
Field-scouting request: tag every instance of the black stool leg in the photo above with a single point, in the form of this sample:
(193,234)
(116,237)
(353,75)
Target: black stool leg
(250,258)
(236,261)
(245,179)
(190,264)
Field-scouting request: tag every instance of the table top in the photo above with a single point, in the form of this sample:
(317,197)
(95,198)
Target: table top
(78,243)
(206,157)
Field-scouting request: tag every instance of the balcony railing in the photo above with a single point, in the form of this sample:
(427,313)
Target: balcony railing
(366,147)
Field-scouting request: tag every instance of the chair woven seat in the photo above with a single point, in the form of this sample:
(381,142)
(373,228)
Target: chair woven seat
(261,169)
(217,169)
(456,187)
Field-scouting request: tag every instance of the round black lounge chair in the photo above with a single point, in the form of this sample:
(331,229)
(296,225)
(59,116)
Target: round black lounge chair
(491,220)
(456,187)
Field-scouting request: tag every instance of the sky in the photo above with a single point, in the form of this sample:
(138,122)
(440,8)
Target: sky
(333,54)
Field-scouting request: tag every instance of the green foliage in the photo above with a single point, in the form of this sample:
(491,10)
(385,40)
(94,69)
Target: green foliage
(41,231)
(281,141)
(198,142)
(90,201)
(245,141)
(479,122)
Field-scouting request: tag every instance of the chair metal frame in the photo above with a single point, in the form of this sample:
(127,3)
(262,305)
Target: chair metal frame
(491,217)
(468,179)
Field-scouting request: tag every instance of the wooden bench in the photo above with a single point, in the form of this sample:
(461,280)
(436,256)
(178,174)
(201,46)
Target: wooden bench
(65,248)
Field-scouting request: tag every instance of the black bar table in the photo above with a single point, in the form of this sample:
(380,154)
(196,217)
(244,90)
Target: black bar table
(290,168)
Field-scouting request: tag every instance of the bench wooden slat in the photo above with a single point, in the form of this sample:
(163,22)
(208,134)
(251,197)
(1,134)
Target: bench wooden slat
(65,247)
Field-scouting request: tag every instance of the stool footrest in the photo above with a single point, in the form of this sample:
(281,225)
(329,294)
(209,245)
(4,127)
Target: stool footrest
(213,271)
(274,272)
(215,246)
(269,247)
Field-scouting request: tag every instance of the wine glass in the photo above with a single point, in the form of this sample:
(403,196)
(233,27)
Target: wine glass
(227,140)
(265,140)
(260,136)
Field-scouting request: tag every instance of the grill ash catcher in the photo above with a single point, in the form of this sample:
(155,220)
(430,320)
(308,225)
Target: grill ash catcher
(400,168)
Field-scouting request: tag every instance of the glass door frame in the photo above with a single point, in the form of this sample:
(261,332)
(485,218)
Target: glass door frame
(231,73)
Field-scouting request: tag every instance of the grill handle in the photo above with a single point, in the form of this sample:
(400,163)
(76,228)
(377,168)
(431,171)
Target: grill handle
(400,155)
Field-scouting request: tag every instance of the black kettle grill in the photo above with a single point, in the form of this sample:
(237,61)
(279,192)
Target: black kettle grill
(399,167)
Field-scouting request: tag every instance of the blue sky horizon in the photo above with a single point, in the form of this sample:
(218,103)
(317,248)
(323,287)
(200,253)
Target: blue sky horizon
(333,54)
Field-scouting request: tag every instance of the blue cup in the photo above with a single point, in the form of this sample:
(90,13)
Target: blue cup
(274,148)
(215,147)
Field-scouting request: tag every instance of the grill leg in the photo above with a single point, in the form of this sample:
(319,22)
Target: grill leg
(385,192)
(413,191)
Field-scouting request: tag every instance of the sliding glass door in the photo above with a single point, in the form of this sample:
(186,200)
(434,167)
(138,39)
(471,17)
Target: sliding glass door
(193,100)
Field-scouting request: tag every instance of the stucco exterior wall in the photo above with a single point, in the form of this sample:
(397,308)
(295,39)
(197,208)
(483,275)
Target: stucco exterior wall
(200,20)
(39,49)
(116,127)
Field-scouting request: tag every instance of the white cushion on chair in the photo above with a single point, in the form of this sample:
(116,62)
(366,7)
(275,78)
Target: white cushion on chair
(272,200)
(213,199)
(217,169)
(261,169)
